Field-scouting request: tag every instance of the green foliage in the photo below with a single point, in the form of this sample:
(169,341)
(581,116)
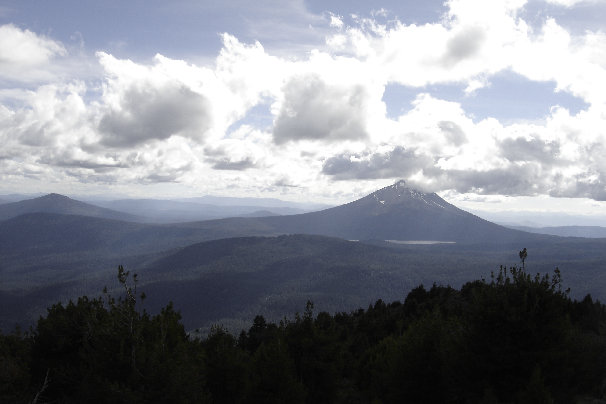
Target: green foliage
(106,350)
(516,338)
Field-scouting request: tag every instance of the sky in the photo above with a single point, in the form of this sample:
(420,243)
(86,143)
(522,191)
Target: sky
(497,106)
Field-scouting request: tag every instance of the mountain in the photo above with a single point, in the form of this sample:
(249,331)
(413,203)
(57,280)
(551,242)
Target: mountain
(396,212)
(215,270)
(258,202)
(566,231)
(55,203)
(171,211)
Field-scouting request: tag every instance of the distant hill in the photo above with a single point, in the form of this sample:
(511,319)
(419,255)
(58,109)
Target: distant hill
(37,234)
(229,280)
(171,211)
(566,231)
(8,198)
(55,203)
(258,202)
(261,213)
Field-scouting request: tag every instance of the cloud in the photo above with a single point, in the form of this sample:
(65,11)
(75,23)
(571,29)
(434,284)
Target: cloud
(522,149)
(313,109)
(167,175)
(336,21)
(239,153)
(168,120)
(54,116)
(25,56)
(582,187)
(454,133)
(395,163)
(75,158)
(148,113)
(462,45)
(565,3)
(227,164)
(525,179)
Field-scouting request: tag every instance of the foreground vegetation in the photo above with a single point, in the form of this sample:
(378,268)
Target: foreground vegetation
(515,338)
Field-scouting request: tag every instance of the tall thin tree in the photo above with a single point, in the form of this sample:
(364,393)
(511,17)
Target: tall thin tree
(523,255)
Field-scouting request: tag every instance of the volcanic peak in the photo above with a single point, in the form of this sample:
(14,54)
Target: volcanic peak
(398,193)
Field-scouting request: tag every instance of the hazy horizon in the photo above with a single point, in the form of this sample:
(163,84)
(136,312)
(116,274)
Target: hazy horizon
(495,106)
(528,218)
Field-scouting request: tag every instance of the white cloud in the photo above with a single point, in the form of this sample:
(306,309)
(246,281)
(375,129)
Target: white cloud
(336,21)
(565,3)
(25,56)
(395,163)
(149,112)
(313,109)
(169,120)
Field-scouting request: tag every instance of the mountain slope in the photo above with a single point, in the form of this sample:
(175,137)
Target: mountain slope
(55,203)
(566,231)
(395,212)
(236,278)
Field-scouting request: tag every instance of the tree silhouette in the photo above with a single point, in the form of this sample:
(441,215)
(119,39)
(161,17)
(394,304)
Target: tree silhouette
(523,255)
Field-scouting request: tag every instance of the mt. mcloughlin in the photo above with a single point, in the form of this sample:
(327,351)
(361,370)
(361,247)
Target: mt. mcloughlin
(396,212)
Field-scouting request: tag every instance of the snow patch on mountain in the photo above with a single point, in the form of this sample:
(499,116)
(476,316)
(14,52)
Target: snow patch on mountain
(398,193)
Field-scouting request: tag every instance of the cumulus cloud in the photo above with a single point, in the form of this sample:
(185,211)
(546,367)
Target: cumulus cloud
(227,164)
(172,174)
(396,163)
(454,133)
(147,113)
(511,179)
(565,3)
(462,45)
(229,157)
(25,56)
(169,120)
(76,158)
(522,149)
(313,109)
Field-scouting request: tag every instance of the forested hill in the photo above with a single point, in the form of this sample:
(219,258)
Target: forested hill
(515,338)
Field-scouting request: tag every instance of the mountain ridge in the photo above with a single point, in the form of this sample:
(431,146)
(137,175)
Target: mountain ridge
(60,204)
(395,212)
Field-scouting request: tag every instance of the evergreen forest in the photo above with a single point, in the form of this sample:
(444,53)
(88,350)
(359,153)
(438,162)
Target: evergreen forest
(514,337)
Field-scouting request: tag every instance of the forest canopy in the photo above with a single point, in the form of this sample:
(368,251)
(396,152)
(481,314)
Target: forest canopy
(515,338)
